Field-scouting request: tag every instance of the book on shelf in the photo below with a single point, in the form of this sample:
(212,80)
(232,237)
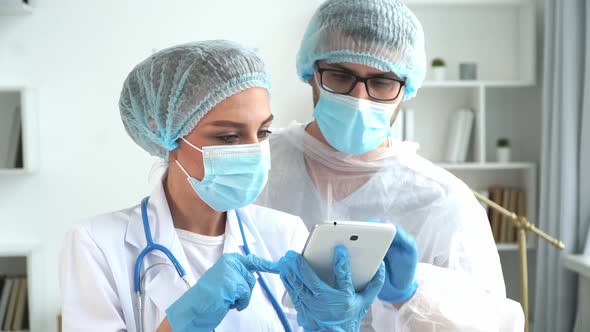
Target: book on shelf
(512,199)
(459,136)
(397,129)
(14,313)
(494,215)
(505,228)
(511,237)
(11,305)
(4,298)
(403,126)
(20,306)
(409,125)
(486,194)
(10,132)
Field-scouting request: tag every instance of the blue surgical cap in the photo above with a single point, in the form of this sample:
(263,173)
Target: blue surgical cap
(383,34)
(165,96)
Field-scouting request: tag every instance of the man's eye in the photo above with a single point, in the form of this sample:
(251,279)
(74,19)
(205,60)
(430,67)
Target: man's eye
(382,82)
(342,77)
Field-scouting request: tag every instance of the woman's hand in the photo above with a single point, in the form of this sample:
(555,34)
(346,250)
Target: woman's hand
(226,285)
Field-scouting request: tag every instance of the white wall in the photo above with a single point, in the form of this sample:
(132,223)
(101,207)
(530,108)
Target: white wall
(76,54)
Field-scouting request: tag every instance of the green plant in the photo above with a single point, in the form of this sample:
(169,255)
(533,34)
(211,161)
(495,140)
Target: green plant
(438,62)
(503,142)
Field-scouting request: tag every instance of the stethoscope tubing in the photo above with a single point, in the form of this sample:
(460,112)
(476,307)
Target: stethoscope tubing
(151,246)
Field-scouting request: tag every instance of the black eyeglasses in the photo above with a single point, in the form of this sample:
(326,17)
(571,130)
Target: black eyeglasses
(343,82)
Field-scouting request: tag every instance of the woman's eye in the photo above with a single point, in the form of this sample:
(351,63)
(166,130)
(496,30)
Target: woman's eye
(264,133)
(228,138)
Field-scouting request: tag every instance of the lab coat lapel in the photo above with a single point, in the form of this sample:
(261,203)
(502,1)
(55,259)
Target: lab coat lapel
(233,237)
(160,222)
(162,284)
(165,287)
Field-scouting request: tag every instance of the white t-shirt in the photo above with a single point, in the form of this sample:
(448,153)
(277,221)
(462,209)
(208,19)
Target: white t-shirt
(201,251)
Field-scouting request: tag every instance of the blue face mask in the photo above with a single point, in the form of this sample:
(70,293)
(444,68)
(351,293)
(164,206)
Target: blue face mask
(352,125)
(234,174)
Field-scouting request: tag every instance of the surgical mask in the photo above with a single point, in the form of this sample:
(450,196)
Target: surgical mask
(234,174)
(352,125)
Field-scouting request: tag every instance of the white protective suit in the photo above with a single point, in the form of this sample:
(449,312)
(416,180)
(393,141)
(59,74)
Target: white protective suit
(319,184)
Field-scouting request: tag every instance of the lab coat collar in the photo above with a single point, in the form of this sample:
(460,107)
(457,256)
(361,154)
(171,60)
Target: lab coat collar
(163,232)
(160,221)
(233,236)
(165,287)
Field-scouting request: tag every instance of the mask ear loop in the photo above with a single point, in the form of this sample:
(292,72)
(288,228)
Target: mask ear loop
(315,78)
(317,81)
(191,145)
(182,169)
(178,163)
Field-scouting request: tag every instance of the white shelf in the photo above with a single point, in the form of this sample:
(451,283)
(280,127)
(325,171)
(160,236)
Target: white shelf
(14,7)
(476,84)
(507,246)
(508,84)
(578,263)
(19,96)
(21,248)
(466,2)
(511,247)
(487,166)
(15,171)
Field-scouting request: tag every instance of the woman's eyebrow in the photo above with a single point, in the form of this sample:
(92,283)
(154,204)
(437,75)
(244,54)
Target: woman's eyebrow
(226,123)
(234,124)
(269,119)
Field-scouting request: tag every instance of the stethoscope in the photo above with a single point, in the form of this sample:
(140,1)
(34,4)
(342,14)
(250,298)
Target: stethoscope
(181,271)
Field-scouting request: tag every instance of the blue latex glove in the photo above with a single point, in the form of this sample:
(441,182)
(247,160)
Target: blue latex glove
(400,269)
(321,307)
(226,285)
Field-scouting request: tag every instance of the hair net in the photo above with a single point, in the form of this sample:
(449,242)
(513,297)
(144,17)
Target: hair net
(382,34)
(166,95)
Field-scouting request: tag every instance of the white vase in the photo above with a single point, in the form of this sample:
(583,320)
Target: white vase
(503,154)
(439,73)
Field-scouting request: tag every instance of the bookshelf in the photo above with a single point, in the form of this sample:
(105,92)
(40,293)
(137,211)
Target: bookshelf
(16,263)
(17,130)
(500,37)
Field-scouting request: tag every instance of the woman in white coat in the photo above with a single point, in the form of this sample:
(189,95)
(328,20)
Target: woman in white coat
(204,108)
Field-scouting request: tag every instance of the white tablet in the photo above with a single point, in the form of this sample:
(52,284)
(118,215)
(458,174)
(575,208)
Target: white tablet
(367,244)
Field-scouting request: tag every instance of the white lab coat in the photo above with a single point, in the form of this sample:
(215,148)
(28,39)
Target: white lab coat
(98,256)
